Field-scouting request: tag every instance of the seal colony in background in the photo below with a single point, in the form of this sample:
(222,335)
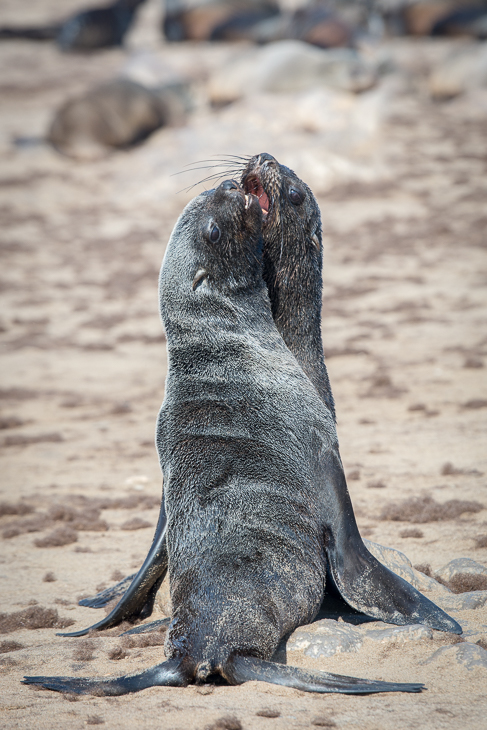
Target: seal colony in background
(255,509)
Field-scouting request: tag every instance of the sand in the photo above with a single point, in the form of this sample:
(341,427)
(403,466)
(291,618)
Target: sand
(84,362)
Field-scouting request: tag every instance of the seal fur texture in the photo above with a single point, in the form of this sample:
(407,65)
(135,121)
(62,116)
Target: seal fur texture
(243,442)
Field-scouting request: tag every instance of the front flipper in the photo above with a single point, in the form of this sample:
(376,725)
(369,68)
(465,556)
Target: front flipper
(108,595)
(241,669)
(167,674)
(364,583)
(139,598)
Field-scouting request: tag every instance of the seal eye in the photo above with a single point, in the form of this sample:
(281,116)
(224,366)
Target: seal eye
(214,234)
(295,196)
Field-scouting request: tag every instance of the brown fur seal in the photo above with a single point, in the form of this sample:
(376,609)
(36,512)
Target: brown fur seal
(292,263)
(118,114)
(244,445)
(215,19)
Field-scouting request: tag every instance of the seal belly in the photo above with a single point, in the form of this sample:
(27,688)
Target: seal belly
(234,562)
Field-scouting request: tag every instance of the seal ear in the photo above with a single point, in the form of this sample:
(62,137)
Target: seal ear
(199,277)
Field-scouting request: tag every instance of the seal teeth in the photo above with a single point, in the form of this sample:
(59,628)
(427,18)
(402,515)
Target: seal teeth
(247,201)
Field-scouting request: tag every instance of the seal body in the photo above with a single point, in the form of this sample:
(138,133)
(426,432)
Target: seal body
(291,269)
(85,31)
(242,442)
(117,114)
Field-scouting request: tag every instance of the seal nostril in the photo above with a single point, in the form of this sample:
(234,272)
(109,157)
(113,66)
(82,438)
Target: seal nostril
(265,157)
(230,185)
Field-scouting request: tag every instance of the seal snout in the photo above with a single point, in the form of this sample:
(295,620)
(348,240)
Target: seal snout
(260,170)
(233,187)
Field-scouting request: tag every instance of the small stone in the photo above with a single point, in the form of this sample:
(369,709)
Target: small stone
(325,638)
(402,566)
(460,566)
(462,601)
(464,69)
(398,634)
(468,655)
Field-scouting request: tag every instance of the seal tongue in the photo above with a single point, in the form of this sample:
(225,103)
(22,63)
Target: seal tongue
(254,186)
(264,202)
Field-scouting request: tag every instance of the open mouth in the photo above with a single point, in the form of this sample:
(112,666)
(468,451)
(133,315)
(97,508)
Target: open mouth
(253,186)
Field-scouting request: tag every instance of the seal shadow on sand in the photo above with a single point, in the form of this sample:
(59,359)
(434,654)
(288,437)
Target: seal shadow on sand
(256,509)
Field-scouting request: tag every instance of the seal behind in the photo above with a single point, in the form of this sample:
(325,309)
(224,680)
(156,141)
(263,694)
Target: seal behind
(243,442)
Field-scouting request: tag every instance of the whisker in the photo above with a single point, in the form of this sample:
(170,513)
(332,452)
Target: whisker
(207,167)
(201,182)
(230,166)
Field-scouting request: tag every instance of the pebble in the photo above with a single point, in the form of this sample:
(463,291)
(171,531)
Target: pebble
(462,601)
(402,566)
(469,655)
(461,566)
(465,69)
(325,638)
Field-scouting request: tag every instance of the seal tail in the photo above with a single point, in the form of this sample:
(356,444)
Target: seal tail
(364,583)
(171,673)
(241,669)
(138,600)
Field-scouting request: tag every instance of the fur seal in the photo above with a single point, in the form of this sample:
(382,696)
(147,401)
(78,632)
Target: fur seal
(116,115)
(88,30)
(292,265)
(244,446)
(215,19)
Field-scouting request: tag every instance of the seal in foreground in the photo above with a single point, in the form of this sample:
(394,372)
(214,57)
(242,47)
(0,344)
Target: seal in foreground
(292,271)
(244,445)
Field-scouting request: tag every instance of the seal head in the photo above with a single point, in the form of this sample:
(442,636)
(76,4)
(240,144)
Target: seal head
(292,262)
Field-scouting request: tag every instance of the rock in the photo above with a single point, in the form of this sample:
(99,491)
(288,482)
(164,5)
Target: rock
(325,638)
(462,602)
(462,71)
(402,566)
(289,66)
(460,566)
(470,655)
(385,634)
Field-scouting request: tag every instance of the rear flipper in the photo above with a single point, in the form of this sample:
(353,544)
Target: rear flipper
(108,595)
(148,628)
(241,669)
(138,600)
(168,674)
(364,583)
